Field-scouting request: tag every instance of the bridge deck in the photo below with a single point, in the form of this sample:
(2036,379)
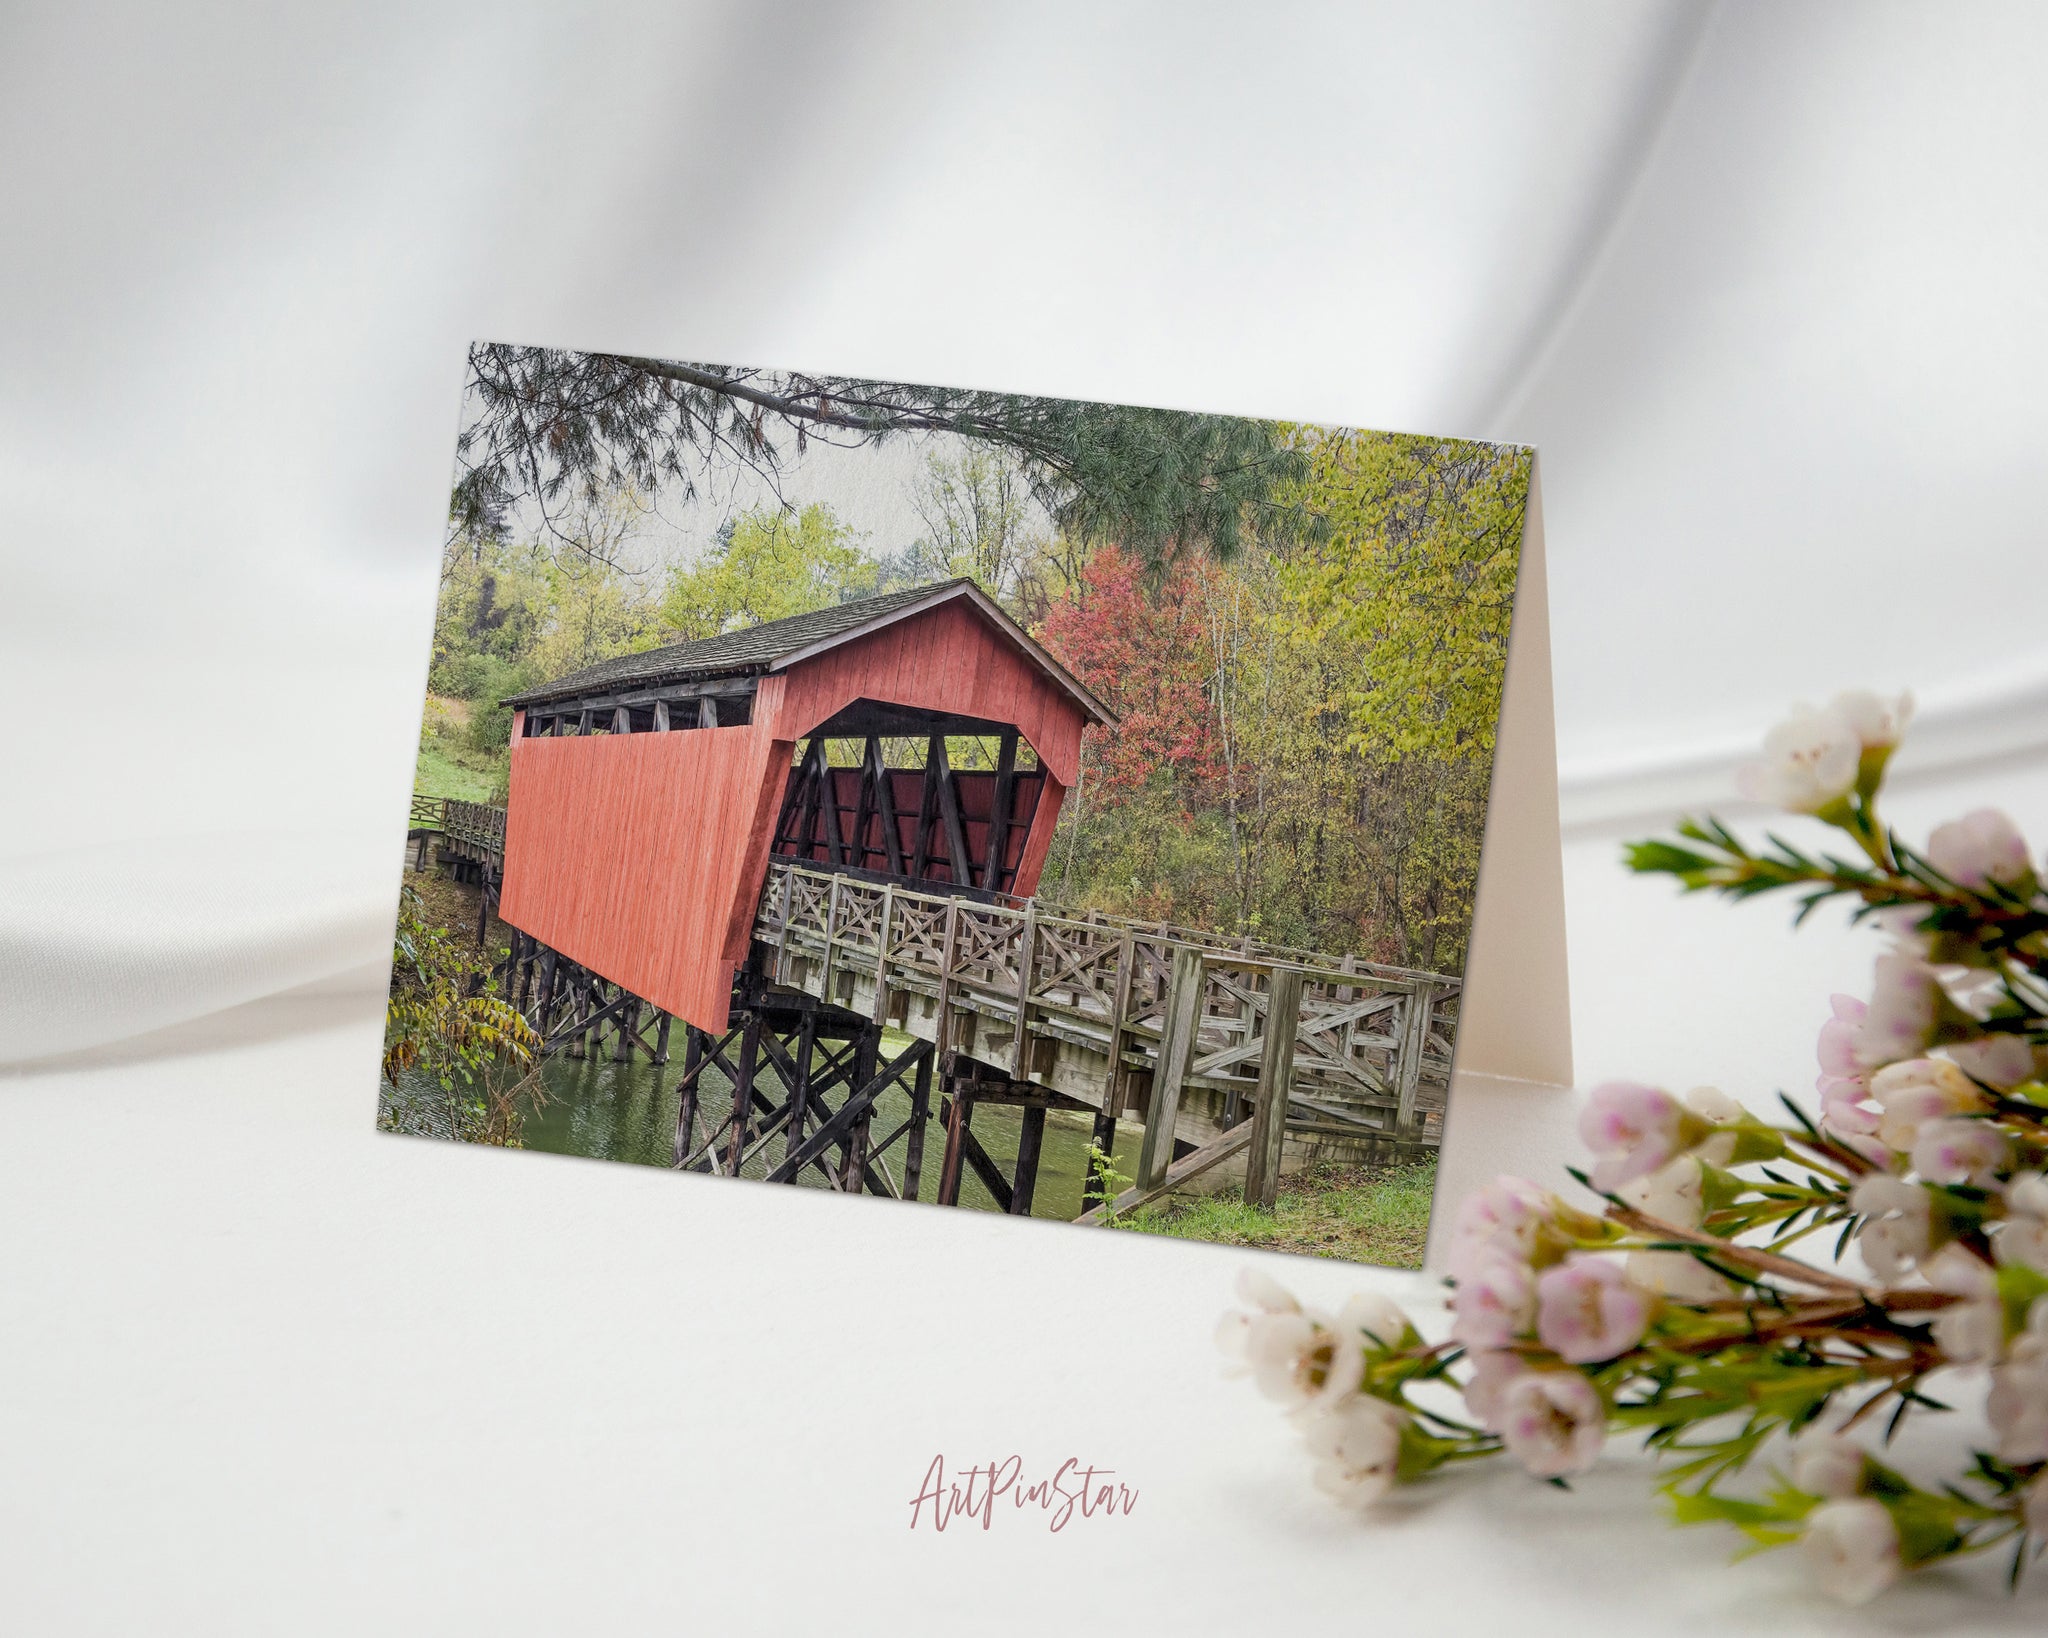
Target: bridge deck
(1372,1046)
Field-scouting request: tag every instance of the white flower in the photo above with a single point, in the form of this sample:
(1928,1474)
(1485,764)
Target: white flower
(1911,1094)
(1898,1230)
(1825,1464)
(1486,1389)
(1980,848)
(1955,1150)
(1357,1449)
(2017,1406)
(1553,1422)
(1673,1196)
(1495,1302)
(1379,1317)
(1852,1547)
(1304,1361)
(1810,762)
(1970,1332)
(1502,1219)
(2023,1237)
(1262,1295)
(1878,723)
(1632,1130)
(1905,1002)
(1996,1060)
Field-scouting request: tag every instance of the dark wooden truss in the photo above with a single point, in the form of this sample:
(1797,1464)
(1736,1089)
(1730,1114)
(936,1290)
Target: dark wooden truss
(960,835)
(715,702)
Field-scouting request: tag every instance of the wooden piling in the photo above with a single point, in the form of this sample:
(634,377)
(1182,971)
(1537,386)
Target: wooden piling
(1176,1054)
(1276,1084)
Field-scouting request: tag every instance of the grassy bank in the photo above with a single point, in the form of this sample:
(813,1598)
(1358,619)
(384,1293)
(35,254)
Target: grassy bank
(1365,1215)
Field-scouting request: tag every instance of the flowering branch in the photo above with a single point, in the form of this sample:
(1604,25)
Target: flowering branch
(1676,1312)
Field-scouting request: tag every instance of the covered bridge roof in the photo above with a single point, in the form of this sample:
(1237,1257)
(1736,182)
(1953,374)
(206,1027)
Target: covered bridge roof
(775,645)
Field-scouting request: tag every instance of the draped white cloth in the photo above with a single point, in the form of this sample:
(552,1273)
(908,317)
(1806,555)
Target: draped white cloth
(1762,283)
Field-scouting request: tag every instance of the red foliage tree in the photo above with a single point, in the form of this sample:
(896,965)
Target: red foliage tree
(1146,653)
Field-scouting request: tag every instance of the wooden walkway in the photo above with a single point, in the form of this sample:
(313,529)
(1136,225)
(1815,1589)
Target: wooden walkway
(1218,1047)
(1105,1002)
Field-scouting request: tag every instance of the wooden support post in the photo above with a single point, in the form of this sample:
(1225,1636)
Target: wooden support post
(920,1116)
(865,1056)
(483,909)
(628,1022)
(1004,798)
(1119,1027)
(927,807)
(661,716)
(885,811)
(707,712)
(828,807)
(686,1113)
(1414,1041)
(743,1090)
(661,1038)
(800,1088)
(881,1007)
(1176,1053)
(946,955)
(1024,1180)
(863,803)
(1027,959)
(959,1111)
(831,932)
(949,815)
(1276,1085)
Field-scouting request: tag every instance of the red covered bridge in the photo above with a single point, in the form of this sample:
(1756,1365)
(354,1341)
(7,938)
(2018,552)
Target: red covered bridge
(649,791)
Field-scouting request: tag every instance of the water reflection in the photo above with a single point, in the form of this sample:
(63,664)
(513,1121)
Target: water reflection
(603,1110)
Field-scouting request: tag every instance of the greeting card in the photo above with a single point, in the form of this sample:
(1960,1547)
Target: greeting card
(1002,802)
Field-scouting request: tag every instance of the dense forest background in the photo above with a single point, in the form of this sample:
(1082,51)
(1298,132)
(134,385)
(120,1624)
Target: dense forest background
(1307,726)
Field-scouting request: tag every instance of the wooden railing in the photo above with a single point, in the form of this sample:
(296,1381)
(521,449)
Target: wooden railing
(1129,1016)
(426,812)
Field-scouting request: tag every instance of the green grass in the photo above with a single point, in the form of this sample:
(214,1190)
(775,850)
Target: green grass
(1373,1215)
(446,769)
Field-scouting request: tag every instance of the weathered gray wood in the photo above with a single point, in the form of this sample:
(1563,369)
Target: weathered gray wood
(661,716)
(1027,957)
(1276,1085)
(1180,1173)
(1176,1053)
(1415,1017)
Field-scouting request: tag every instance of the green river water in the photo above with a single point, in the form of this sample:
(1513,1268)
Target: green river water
(604,1110)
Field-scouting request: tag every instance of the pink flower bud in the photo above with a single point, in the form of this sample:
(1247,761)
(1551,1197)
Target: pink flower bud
(1632,1130)
(1553,1422)
(1586,1309)
(1495,1303)
(1980,848)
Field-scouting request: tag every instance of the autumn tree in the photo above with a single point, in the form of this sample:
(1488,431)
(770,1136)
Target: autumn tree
(768,564)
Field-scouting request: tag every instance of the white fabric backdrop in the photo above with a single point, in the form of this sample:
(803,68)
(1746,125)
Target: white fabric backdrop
(1761,282)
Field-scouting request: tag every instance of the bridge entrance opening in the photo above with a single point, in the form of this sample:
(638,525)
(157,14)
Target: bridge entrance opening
(896,794)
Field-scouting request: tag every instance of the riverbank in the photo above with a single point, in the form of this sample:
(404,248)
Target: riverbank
(1357,1214)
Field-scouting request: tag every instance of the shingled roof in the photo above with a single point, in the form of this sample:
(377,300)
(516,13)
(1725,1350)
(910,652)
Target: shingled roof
(774,644)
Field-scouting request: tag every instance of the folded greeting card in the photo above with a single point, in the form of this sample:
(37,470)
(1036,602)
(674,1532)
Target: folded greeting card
(1007,803)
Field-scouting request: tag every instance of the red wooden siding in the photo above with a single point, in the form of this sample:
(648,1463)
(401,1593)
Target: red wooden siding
(631,853)
(641,856)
